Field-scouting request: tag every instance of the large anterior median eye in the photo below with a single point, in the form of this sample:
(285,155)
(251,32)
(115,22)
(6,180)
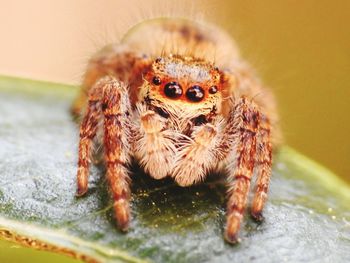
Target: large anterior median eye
(195,93)
(173,90)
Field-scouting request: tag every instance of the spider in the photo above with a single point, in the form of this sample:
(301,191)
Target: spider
(158,97)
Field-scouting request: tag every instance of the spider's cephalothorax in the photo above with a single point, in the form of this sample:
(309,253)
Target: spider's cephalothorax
(178,114)
(183,89)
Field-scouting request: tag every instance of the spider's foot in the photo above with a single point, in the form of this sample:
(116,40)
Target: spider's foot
(82,187)
(232,228)
(232,238)
(257,209)
(122,214)
(82,181)
(81,191)
(257,215)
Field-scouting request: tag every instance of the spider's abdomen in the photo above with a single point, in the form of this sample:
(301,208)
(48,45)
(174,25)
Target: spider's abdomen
(164,36)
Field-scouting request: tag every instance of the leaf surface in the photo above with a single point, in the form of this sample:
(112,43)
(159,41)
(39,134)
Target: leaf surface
(307,218)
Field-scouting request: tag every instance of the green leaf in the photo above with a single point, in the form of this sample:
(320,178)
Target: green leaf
(307,217)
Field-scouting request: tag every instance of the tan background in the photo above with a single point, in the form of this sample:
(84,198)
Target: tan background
(300,48)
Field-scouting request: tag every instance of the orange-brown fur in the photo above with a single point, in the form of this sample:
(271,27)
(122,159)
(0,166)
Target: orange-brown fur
(164,101)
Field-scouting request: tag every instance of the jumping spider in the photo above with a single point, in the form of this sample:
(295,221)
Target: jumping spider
(163,102)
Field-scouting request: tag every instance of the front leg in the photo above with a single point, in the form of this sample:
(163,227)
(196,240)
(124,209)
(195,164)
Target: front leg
(244,122)
(110,95)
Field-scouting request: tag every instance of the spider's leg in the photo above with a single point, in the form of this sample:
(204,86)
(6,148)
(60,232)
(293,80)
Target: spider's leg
(263,168)
(110,95)
(245,118)
(119,61)
(199,155)
(116,109)
(88,130)
(154,144)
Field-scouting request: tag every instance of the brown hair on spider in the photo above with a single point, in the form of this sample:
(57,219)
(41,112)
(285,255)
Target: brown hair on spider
(179,114)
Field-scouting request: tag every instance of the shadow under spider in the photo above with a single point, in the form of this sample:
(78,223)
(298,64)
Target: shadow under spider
(166,206)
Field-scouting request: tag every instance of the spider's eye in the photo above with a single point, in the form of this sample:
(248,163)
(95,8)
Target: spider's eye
(173,90)
(156,81)
(213,89)
(195,93)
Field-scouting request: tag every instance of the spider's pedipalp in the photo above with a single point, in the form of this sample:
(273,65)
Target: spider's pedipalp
(198,156)
(154,144)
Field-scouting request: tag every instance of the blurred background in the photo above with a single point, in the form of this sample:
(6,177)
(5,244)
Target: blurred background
(300,48)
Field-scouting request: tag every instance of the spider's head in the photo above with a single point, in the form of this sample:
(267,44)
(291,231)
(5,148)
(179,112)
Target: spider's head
(184,85)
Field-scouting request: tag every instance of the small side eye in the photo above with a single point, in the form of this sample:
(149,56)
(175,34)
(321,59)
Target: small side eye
(213,89)
(159,60)
(156,81)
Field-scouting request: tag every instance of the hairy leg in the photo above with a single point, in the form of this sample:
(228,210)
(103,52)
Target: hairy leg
(245,118)
(112,96)
(263,168)
(88,130)
(154,143)
(116,108)
(119,61)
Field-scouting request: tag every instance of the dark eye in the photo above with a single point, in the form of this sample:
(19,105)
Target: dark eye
(158,60)
(173,90)
(213,89)
(156,81)
(195,93)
